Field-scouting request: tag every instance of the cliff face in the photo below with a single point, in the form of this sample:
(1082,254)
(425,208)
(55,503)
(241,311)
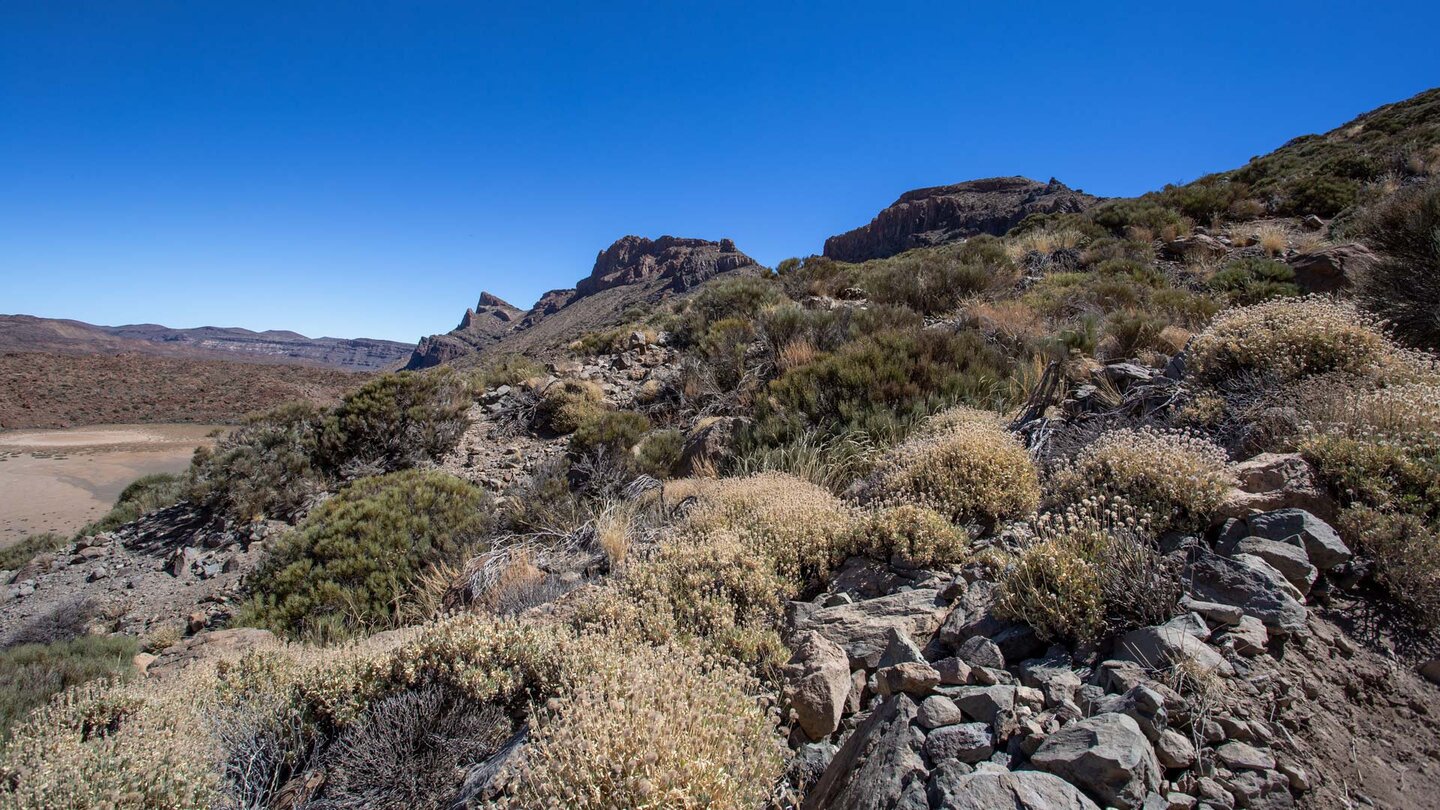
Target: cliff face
(631,270)
(55,336)
(933,216)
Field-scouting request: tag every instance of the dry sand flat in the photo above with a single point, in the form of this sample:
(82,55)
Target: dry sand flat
(59,480)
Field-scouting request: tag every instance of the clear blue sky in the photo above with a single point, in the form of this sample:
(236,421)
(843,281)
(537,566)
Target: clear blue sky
(359,168)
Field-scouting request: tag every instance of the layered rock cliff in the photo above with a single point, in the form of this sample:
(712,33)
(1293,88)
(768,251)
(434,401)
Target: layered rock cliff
(933,216)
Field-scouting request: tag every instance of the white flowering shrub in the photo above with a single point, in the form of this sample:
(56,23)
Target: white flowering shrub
(1173,479)
(1291,338)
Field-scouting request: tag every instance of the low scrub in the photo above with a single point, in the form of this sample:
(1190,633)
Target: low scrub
(911,537)
(397,421)
(964,465)
(931,281)
(15,556)
(267,467)
(141,497)
(31,674)
(1289,339)
(351,565)
(1403,287)
(1176,480)
(566,404)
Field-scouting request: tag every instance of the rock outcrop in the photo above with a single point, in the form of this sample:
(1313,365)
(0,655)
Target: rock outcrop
(933,216)
(632,270)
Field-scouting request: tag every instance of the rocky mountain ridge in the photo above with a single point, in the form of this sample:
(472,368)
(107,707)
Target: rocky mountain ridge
(631,270)
(27,333)
(932,216)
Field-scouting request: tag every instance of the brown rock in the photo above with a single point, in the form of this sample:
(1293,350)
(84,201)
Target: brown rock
(1331,268)
(818,684)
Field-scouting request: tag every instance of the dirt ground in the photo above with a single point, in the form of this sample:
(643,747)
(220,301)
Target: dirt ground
(59,480)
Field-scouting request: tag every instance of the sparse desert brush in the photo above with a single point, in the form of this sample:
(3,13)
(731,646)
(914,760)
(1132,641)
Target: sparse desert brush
(31,674)
(1251,281)
(101,745)
(1175,479)
(933,280)
(612,432)
(1406,550)
(266,467)
(1047,239)
(965,466)
(353,561)
(800,528)
(1093,569)
(659,453)
(1291,338)
(566,404)
(830,461)
(1010,320)
(141,497)
(509,369)
(660,728)
(1272,237)
(911,536)
(1404,285)
(15,556)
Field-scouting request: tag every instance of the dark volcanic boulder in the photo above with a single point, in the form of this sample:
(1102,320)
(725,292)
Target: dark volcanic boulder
(933,216)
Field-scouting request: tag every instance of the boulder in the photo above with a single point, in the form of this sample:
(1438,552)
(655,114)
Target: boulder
(876,765)
(1021,790)
(1431,670)
(1237,755)
(1249,638)
(913,677)
(710,444)
(1107,756)
(1290,560)
(1273,481)
(1323,546)
(1330,268)
(1052,675)
(1164,647)
(983,703)
(1233,581)
(899,649)
(973,614)
(967,742)
(1174,750)
(863,628)
(953,671)
(817,684)
(978,651)
(938,710)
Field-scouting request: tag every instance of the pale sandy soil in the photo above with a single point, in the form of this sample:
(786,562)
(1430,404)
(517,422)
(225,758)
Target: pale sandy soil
(59,480)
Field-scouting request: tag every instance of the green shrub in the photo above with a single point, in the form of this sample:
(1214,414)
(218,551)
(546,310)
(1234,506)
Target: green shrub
(658,453)
(1406,551)
(509,369)
(566,404)
(1290,338)
(825,330)
(878,382)
(141,497)
(396,421)
(352,563)
(264,468)
(1321,195)
(15,556)
(935,280)
(31,674)
(612,432)
(1206,199)
(1250,281)
(1403,287)
(1129,333)
(1121,215)
(743,297)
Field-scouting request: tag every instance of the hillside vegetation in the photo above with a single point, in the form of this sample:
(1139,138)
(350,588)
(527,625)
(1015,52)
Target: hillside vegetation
(1131,507)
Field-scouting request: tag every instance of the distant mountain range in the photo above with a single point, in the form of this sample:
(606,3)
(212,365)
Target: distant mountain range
(26,333)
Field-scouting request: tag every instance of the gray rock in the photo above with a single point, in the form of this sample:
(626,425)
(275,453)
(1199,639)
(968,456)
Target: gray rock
(915,678)
(1052,675)
(1213,611)
(967,742)
(899,649)
(1241,756)
(1174,750)
(1431,670)
(817,684)
(983,703)
(863,628)
(1107,756)
(1164,647)
(978,651)
(1289,560)
(1249,638)
(953,671)
(876,765)
(1321,542)
(1231,581)
(938,710)
(1021,790)
(1259,790)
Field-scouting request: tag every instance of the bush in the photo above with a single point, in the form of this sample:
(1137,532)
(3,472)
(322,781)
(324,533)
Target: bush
(397,421)
(802,530)
(1406,551)
(351,564)
(965,466)
(509,369)
(566,404)
(141,497)
(264,468)
(658,453)
(743,298)
(912,537)
(1121,215)
(1092,571)
(1403,287)
(1289,339)
(935,280)
(12,558)
(31,674)
(878,382)
(1251,281)
(1174,479)
(613,432)
(660,729)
